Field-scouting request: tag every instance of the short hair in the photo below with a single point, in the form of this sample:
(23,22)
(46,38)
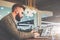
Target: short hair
(17,5)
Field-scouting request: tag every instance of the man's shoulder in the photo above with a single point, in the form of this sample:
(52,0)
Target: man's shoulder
(5,17)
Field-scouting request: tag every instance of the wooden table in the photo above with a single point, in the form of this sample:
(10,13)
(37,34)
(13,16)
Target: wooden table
(40,38)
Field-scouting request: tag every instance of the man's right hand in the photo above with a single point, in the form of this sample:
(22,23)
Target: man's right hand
(36,34)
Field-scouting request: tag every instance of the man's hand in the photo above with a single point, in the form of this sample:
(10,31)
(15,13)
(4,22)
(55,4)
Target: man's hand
(33,31)
(36,34)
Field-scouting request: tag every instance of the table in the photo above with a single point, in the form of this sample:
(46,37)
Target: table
(40,38)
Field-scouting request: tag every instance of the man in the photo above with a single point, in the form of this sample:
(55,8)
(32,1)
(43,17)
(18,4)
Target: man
(8,30)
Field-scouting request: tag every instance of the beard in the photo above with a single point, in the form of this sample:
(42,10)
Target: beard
(18,17)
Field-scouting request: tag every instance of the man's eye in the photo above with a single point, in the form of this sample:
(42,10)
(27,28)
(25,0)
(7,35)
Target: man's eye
(22,13)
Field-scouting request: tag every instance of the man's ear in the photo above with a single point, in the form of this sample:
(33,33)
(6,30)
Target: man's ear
(16,11)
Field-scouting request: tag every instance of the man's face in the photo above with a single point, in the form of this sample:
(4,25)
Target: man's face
(19,13)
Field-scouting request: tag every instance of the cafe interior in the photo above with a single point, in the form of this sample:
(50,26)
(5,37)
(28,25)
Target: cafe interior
(40,15)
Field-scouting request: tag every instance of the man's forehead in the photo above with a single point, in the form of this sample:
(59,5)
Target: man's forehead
(20,9)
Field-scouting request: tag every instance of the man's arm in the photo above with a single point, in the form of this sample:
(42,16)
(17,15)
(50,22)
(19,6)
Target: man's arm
(26,34)
(12,30)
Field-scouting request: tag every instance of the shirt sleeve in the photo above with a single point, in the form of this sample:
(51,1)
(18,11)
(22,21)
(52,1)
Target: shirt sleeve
(12,31)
